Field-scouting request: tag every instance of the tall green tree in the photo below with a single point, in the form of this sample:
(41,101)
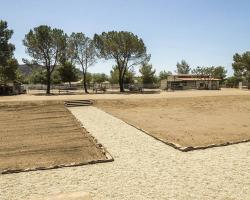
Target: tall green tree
(128,77)
(84,53)
(241,65)
(147,74)
(127,49)
(212,72)
(233,81)
(219,72)
(183,67)
(68,72)
(164,74)
(203,71)
(45,46)
(88,77)
(38,76)
(99,77)
(215,72)
(8,64)
(56,77)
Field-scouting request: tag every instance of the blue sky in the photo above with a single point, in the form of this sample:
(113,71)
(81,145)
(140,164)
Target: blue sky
(203,32)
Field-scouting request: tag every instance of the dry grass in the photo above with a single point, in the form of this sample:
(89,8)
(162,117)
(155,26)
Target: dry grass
(189,122)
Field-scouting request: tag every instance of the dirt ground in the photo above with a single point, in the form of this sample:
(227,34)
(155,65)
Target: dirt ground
(193,121)
(32,96)
(41,135)
(191,117)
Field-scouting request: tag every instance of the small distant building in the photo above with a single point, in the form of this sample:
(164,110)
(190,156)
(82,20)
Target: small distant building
(190,81)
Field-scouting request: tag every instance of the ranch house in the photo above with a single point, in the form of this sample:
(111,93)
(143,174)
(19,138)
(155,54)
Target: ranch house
(190,81)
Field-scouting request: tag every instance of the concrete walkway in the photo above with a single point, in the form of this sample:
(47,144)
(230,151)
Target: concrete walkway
(144,168)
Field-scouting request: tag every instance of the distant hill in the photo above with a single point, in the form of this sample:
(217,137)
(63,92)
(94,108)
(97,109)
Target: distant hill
(26,70)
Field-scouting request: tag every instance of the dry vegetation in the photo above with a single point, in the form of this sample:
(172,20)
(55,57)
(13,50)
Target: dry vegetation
(43,135)
(193,121)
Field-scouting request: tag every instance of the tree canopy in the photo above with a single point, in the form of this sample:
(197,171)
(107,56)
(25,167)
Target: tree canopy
(84,53)
(127,49)
(219,72)
(67,73)
(148,74)
(164,74)
(215,72)
(128,77)
(37,76)
(201,71)
(241,65)
(8,64)
(45,46)
(99,77)
(233,81)
(183,67)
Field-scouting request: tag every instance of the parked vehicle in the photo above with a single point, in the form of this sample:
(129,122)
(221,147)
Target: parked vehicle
(135,88)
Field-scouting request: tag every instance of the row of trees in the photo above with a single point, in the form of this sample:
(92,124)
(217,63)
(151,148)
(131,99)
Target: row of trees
(148,75)
(217,72)
(60,56)
(69,73)
(52,47)
(241,67)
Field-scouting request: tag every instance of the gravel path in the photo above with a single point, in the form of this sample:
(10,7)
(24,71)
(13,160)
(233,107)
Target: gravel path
(144,168)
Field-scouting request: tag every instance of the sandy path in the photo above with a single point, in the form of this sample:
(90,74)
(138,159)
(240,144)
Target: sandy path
(143,169)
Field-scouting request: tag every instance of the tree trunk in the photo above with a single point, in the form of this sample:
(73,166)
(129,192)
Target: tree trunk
(121,82)
(84,82)
(48,81)
(84,71)
(121,85)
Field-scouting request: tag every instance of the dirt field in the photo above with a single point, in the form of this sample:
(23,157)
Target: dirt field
(43,135)
(165,95)
(187,118)
(193,121)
